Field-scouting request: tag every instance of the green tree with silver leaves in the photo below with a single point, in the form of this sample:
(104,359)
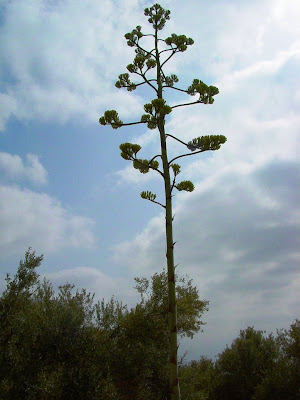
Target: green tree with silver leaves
(148,66)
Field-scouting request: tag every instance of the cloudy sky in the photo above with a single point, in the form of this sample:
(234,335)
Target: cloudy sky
(66,192)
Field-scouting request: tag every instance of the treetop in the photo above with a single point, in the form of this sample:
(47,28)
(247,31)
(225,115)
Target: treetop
(157,16)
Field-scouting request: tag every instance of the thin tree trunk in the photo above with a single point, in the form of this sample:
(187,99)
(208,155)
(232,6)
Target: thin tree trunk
(172,311)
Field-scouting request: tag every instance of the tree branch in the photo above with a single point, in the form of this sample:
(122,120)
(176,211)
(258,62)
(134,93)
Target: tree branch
(149,34)
(147,81)
(178,140)
(132,123)
(135,84)
(139,84)
(146,165)
(173,183)
(187,104)
(148,69)
(141,48)
(149,166)
(163,51)
(175,88)
(185,155)
(142,83)
(163,74)
(153,158)
(171,55)
(156,202)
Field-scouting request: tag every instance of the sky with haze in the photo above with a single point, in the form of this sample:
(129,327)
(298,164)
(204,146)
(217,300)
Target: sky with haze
(66,192)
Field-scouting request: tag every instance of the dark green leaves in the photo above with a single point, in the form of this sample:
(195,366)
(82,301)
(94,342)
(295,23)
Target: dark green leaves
(26,276)
(111,118)
(154,164)
(134,36)
(181,42)
(205,92)
(144,165)
(140,60)
(185,185)
(131,68)
(151,63)
(148,195)
(141,165)
(170,80)
(51,344)
(176,169)
(157,16)
(150,120)
(129,150)
(124,81)
(157,107)
(209,142)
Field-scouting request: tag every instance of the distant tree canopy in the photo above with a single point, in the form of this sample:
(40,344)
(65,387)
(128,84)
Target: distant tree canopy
(67,346)
(254,367)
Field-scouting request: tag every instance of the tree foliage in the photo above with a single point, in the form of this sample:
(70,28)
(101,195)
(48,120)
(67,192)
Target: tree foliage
(255,367)
(197,379)
(65,345)
(243,365)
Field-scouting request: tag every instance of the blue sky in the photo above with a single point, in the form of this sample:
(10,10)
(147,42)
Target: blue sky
(66,192)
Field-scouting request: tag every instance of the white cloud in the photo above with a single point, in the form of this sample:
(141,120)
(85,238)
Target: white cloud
(260,68)
(68,73)
(257,108)
(245,33)
(14,167)
(96,281)
(8,108)
(37,220)
(132,252)
(237,237)
(133,176)
(237,232)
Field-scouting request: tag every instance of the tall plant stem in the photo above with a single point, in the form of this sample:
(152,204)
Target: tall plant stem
(172,310)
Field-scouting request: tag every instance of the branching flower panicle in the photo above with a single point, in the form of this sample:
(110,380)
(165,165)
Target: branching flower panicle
(156,112)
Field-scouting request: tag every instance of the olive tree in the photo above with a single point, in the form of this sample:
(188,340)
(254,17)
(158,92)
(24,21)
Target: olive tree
(64,345)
